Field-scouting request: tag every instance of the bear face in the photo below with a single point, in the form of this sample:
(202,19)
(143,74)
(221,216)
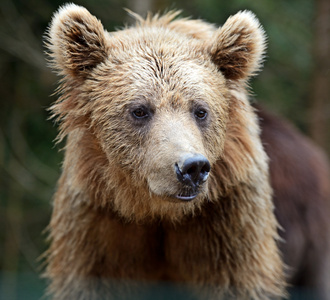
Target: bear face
(159,103)
(163,109)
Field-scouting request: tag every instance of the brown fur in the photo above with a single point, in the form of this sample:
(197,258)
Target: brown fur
(116,215)
(300,174)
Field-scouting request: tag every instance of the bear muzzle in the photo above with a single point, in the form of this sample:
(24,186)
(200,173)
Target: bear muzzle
(192,171)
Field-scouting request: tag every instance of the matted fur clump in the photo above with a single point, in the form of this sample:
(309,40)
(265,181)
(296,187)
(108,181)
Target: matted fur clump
(164,176)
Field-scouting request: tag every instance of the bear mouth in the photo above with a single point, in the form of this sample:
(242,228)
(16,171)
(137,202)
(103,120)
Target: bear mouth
(187,195)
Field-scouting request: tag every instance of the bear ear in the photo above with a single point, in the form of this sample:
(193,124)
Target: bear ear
(238,47)
(76,41)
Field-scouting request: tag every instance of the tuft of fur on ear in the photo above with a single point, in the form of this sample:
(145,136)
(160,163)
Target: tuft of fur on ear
(237,48)
(76,41)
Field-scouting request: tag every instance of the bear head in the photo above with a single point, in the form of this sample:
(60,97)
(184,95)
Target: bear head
(152,111)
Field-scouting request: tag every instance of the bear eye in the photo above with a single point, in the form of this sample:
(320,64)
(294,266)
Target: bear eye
(200,114)
(140,113)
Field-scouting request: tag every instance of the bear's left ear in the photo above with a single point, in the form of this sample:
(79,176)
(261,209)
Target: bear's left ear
(238,47)
(76,41)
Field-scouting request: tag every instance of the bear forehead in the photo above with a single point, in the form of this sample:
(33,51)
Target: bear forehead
(160,64)
(156,44)
(160,81)
(161,36)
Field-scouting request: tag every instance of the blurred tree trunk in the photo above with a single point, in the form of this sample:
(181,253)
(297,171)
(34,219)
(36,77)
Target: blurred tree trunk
(320,93)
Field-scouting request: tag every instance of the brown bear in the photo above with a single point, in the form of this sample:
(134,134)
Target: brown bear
(164,176)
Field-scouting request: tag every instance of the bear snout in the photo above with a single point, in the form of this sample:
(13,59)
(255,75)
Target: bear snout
(192,172)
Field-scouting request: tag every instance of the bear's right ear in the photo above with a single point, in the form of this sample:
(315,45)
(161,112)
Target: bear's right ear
(76,41)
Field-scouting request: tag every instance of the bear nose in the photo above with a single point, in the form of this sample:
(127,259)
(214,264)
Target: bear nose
(194,170)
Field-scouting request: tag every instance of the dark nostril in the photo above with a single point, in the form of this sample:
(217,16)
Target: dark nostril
(206,168)
(194,170)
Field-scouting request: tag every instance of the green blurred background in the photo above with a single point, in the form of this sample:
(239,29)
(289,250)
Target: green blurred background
(294,83)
